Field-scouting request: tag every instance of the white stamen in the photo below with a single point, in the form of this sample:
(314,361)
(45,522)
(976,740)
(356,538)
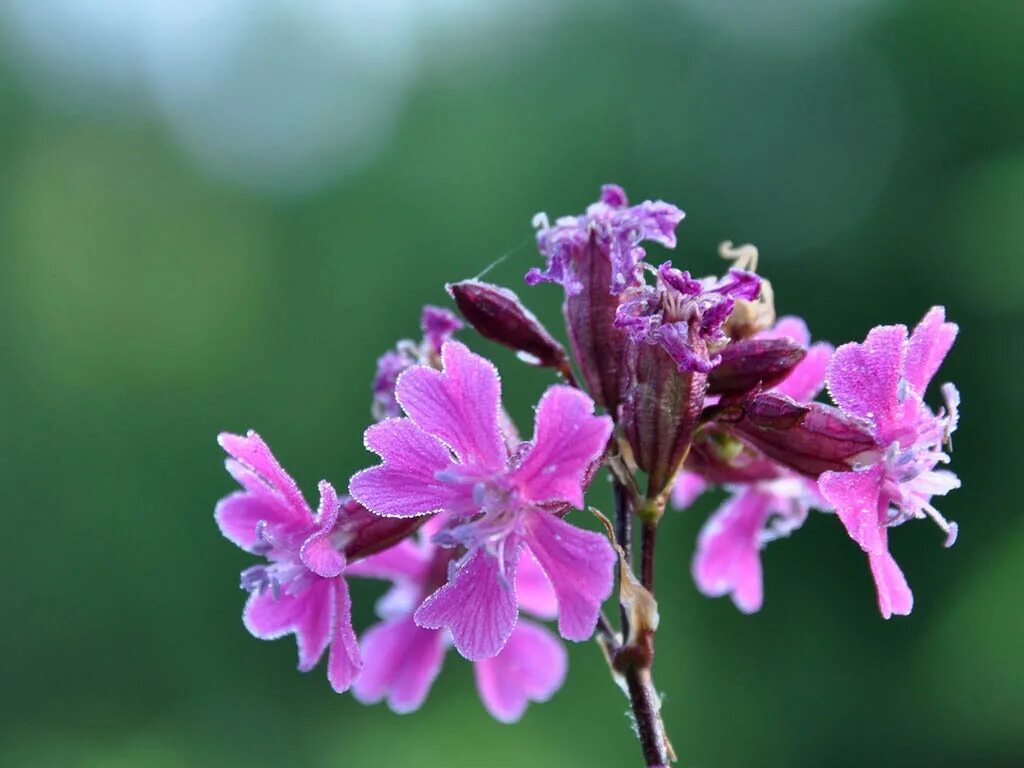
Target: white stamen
(951,529)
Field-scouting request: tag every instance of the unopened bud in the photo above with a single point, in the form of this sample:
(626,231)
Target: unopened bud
(810,439)
(366,534)
(498,314)
(751,364)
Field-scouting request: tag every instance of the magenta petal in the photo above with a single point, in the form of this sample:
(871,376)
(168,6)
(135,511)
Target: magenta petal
(531,667)
(578,564)
(929,345)
(789,326)
(459,405)
(728,555)
(254,454)
(855,496)
(807,379)
(308,615)
(894,595)
(238,514)
(343,661)
(478,606)
(320,556)
(688,486)
(568,438)
(863,379)
(318,552)
(400,661)
(404,561)
(406,484)
(533,590)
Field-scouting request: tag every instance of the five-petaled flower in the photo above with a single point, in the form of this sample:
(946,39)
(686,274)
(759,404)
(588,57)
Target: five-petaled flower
(449,456)
(883,381)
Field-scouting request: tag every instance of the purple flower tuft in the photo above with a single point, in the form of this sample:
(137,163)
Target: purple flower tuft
(684,315)
(615,227)
(438,326)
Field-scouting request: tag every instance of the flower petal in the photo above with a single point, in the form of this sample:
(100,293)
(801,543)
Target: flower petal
(317,552)
(688,486)
(894,595)
(459,405)
(343,662)
(307,615)
(568,438)
(855,496)
(533,590)
(789,326)
(531,667)
(807,379)
(406,484)
(400,662)
(579,565)
(863,379)
(252,452)
(478,605)
(239,513)
(728,557)
(928,347)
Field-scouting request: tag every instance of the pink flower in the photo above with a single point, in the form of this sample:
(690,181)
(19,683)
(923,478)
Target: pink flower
(728,557)
(449,456)
(402,659)
(883,381)
(300,590)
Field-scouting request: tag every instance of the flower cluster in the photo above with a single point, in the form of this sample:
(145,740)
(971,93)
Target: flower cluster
(697,386)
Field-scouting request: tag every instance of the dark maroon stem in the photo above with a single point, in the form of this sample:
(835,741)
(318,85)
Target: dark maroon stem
(634,658)
(644,700)
(624,537)
(648,536)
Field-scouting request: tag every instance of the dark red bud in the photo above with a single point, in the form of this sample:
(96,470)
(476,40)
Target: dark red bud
(751,364)
(598,346)
(498,314)
(367,534)
(810,439)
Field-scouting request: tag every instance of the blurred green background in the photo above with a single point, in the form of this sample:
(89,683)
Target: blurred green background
(215,215)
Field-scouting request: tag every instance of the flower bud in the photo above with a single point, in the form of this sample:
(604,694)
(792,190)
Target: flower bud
(365,533)
(498,314)
(754,364)
(661,410)
(598,346)
(810,439)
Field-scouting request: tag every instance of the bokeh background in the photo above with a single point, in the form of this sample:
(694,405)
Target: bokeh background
(215,214)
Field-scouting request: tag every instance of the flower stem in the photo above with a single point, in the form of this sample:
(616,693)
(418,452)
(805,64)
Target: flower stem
(648,534)
(634,658)
(646,705)
(624,536)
